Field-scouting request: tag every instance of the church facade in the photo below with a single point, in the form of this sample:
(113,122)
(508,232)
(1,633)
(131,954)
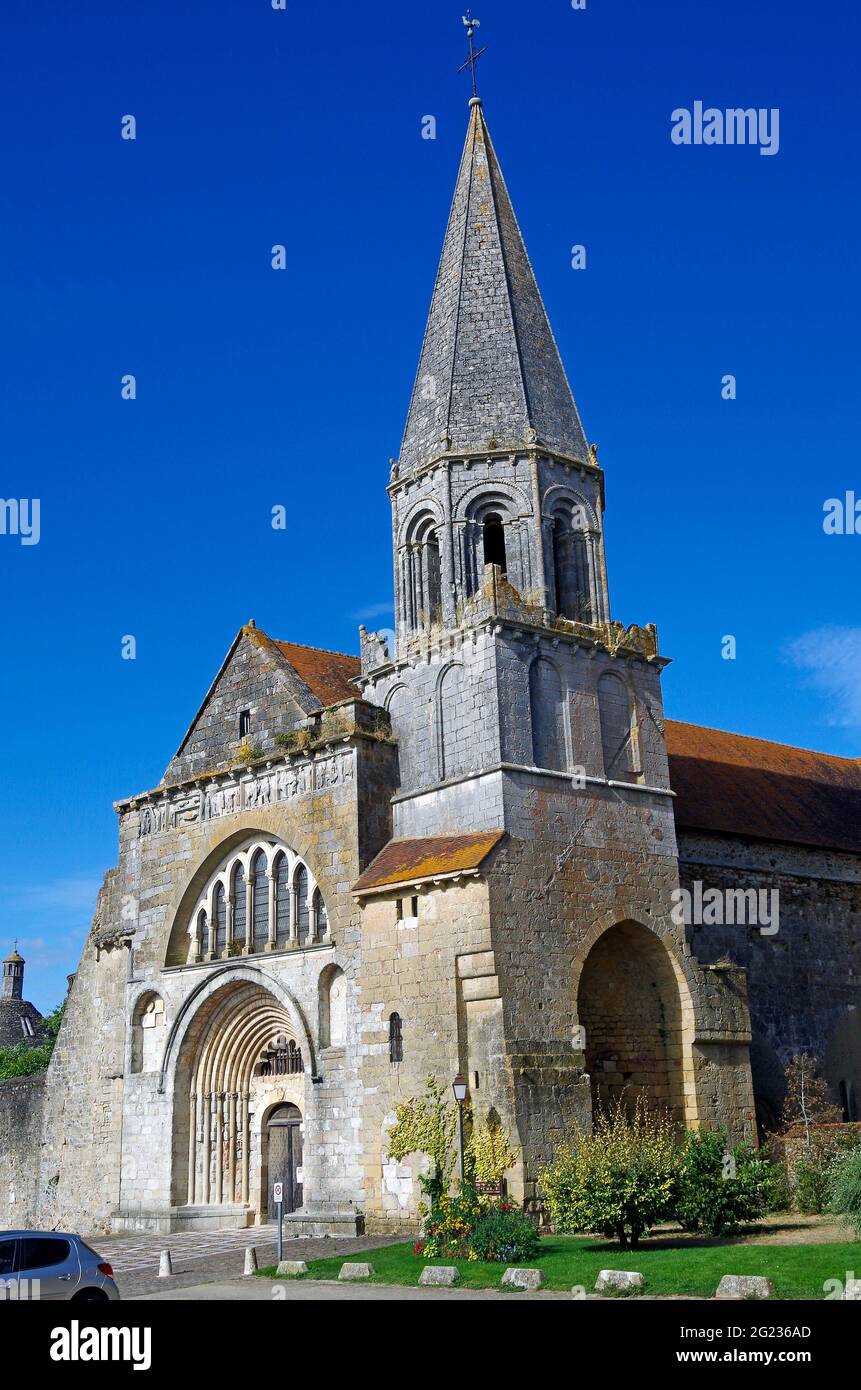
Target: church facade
(459,851)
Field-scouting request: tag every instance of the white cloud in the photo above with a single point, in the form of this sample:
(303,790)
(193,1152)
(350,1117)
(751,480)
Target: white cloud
(830,658)
(66,895)
(374,610)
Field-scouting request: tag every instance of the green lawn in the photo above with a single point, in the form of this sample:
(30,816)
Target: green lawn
(797,1271)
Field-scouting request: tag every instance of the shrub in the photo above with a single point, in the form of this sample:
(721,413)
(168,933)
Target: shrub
(503,1234)
(811,1188)
(619,1180)
(285,740)
(844,1184)
(778,1192)
(812,1163)
(714,1196)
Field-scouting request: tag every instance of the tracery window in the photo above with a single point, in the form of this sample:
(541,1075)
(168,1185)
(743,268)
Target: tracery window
(262,897)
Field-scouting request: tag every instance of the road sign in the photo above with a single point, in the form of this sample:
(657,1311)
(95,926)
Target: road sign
(278,1192)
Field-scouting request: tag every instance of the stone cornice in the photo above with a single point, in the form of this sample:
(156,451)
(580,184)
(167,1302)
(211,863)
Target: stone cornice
(527,452)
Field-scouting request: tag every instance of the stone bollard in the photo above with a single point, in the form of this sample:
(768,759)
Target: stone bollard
(744,1286)
(355,1271)
(439,1276)
(619,1281)
(291,1269)
(514,1278)
(250,1260)
(165,1267)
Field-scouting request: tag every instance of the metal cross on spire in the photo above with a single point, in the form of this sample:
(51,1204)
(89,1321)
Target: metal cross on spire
(471,26)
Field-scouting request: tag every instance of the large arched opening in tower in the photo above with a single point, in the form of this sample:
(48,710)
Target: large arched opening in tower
(630,1007)
(240,1056)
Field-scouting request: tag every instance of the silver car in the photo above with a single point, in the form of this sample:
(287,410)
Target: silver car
(53,1265)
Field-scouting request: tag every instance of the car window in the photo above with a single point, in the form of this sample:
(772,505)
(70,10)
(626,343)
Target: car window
(41,1252)
(7,1257)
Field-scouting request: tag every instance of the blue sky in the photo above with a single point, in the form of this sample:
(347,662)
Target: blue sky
(258,387)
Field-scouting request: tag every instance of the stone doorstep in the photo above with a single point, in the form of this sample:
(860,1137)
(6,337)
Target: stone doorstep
(164,1221)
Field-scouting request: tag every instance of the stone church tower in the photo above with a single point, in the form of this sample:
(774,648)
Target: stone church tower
(529,722)
(454,854)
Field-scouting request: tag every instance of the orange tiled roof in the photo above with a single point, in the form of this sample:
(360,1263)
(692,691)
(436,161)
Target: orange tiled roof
(737,785)
(432,856)
(326,674)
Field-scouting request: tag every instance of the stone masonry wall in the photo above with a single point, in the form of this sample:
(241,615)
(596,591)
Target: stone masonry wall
(21,1101)
(804,981)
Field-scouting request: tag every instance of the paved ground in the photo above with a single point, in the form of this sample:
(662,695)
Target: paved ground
(318,1290)
(200,1257)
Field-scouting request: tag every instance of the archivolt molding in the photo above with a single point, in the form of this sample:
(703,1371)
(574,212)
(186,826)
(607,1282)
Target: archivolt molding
(220,980)
(489,495)
(559,493)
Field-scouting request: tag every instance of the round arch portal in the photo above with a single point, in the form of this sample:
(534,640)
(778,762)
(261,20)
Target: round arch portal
(224,1079)
(631,1004)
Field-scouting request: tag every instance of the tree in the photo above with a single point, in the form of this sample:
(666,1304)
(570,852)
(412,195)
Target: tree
(28,1059)
(808,1099)
(426,1124)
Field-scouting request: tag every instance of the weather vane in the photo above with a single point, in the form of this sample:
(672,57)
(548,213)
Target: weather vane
(471,26)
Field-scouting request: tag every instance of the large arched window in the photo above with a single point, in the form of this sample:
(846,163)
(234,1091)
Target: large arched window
(494,541)
(260,901)
(277,905)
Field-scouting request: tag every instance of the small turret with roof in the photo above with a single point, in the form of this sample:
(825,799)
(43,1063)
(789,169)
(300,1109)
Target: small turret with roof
(20,1021)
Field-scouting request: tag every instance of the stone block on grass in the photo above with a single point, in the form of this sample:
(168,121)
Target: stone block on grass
(291,1269)
(852,1289)
(522,1278)
(439,1275)
(355,1271)
(745,1286)
(619,1281)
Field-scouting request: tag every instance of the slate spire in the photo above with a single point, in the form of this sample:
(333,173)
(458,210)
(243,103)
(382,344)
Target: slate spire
(490,374)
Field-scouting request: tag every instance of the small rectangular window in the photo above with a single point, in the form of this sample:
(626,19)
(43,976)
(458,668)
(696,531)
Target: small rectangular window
(399,909)
(414,907)
(244,723)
